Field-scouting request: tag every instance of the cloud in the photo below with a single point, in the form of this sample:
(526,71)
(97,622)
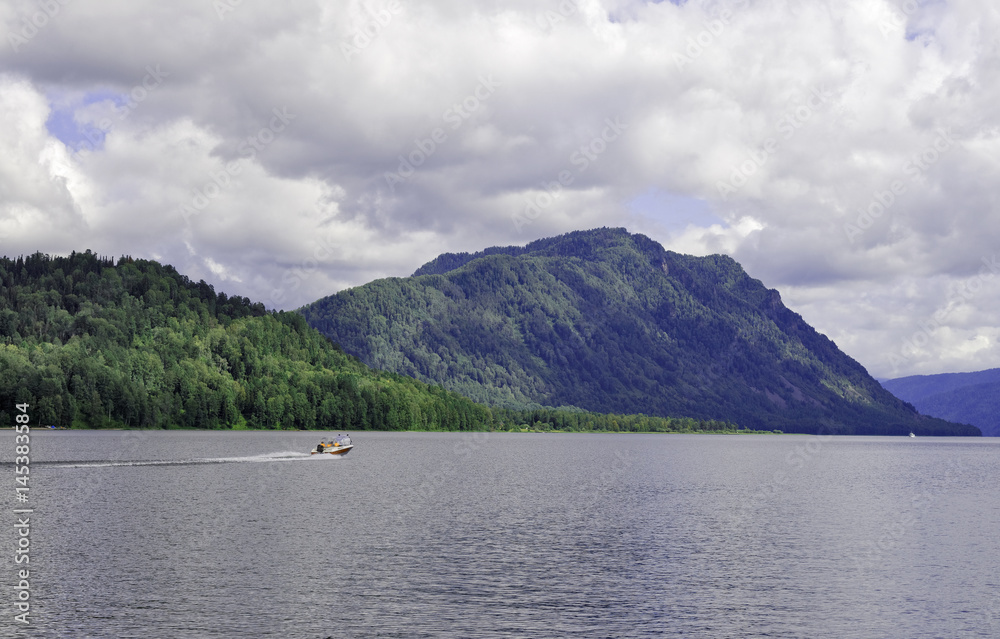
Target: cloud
(845,153)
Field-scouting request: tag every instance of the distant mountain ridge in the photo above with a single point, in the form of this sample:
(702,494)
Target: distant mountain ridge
(972,398)
(612,322)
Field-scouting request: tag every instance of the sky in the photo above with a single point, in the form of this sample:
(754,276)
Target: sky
(845,152)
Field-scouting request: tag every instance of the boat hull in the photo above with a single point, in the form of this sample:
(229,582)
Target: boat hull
(334,450)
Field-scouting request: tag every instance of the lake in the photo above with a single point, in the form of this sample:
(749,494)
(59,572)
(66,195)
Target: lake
(244,534)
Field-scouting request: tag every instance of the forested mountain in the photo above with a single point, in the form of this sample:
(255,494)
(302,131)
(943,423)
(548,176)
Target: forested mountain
(89,342)
(972,398)
(92,343)
(612,322)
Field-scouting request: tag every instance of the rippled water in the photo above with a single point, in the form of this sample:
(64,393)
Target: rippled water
(183,534)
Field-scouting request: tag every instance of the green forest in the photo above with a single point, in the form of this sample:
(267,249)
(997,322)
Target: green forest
(90,342)
(611,322)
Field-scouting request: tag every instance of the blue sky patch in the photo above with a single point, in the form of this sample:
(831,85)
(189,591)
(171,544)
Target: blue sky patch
(63,124)
(674,212)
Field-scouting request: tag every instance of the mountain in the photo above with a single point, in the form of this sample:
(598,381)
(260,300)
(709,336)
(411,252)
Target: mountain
(609,321)
(972,398)
(88,342)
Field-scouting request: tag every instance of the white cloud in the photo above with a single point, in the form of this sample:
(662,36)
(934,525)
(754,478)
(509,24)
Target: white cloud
(811,112)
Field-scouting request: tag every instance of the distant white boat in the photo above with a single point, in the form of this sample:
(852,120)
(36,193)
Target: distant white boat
(912,435)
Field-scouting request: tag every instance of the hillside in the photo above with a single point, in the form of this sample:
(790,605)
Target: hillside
(88,342)
(612,322)
(91,343)
(971,398)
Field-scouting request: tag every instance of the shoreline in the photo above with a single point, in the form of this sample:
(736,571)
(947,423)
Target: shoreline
(38,429)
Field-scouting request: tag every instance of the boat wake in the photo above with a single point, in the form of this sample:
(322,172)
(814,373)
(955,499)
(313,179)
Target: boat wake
(250,459)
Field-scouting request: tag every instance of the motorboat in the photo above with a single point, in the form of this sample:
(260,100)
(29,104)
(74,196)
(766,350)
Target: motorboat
(339,445)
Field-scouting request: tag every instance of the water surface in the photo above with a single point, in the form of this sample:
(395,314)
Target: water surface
(189,534)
